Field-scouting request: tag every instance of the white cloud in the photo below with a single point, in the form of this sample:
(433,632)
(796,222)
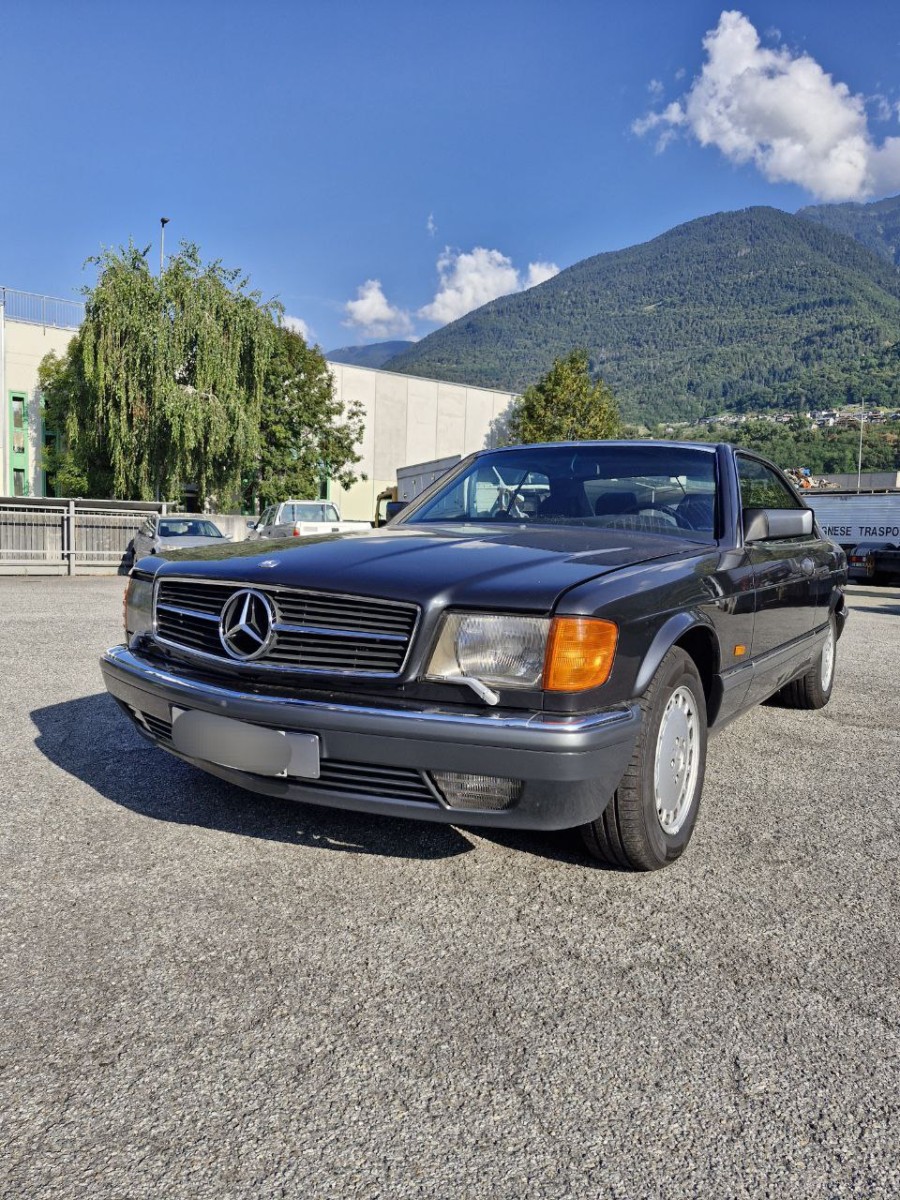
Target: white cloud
(781,112)
(298,325)
(539,272)
(672,115)
(373,315)
(883,109)
(655,88)
(470,279)
(430,225)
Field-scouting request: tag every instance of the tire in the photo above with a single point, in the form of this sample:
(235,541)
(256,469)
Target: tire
(637,831)
(813,690)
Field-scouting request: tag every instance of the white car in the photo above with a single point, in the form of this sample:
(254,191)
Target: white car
(301,518)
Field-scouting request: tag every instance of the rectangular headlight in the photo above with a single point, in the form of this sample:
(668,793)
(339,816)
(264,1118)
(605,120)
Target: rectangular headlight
(499,650)
(565,654)
(138,606)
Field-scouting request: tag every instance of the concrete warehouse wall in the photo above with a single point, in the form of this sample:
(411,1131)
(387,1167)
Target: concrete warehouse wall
(409,420)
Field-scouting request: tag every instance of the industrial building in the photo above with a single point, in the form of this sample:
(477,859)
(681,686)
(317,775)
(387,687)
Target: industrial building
(407,419)
(30,327)
(410,420)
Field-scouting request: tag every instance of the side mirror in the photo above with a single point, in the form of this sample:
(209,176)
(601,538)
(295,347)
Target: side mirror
(251,524)
(392,508)
(763,524)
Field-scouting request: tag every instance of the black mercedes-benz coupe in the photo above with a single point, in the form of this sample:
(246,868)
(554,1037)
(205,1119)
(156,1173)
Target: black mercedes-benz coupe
(543,639)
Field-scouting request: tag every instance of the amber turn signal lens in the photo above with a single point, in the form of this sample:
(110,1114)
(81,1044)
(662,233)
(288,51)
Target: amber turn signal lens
(580,653)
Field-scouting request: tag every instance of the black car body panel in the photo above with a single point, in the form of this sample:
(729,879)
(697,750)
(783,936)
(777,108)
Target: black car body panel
(753,616)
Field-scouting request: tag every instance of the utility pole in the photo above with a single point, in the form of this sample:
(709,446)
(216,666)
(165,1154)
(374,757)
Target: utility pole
(163,222)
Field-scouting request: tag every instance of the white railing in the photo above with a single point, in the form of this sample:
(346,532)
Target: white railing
(34,309)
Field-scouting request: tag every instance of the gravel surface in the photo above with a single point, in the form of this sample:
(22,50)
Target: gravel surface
(211,994)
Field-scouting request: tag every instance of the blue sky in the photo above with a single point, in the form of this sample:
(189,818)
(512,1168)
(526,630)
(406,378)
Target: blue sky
(380,167)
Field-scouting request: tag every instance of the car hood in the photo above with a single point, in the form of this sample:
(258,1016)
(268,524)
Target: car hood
(186,543)
(513,568)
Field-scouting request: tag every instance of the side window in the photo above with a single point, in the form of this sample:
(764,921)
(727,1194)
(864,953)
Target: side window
(331,513)
(266,518)
(762,488)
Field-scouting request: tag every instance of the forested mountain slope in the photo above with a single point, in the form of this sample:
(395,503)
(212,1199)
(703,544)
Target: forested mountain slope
(876,226)
(375,354)
(740,310)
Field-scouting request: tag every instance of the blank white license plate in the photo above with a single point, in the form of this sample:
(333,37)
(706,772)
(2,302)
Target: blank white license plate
(230,743)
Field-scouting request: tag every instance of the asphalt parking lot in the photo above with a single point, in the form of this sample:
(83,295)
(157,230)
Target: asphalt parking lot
(207,993)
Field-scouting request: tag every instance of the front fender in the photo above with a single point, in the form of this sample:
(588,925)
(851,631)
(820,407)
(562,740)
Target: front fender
(672,630)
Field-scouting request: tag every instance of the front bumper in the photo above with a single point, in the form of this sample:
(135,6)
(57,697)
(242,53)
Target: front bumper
(569,765)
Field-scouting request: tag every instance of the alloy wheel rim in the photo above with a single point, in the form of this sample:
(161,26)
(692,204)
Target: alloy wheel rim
(677,760)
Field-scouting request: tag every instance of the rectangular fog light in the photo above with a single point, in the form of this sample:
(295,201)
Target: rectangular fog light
(477,791)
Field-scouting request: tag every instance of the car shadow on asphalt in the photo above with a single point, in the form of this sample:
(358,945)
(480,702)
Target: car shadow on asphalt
(92,740)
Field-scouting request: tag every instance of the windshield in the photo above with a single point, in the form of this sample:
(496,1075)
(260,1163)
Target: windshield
(650,488)
(309,512)
(188,528)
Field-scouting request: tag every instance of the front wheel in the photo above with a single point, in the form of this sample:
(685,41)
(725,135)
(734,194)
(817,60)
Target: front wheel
(650,819)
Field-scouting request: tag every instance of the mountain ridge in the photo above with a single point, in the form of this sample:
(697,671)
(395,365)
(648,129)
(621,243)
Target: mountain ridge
(750,309)
(373,354)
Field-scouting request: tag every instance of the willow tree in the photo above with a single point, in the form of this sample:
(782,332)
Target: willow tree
(163,384)
(565,405)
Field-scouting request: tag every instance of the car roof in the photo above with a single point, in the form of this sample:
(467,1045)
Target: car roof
(711,447)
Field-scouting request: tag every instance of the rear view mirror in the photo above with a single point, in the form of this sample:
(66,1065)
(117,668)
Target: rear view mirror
(762,524)
(251,524)
(392,508)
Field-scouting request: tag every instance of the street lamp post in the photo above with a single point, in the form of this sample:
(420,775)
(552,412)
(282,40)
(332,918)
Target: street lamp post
(163,222)
(862,417)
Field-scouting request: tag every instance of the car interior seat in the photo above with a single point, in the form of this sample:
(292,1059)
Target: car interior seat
(612,503)
(567,499)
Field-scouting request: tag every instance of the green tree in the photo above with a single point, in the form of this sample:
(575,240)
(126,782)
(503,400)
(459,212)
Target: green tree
(305,433)
(565,405)
(60,385)
(163,384)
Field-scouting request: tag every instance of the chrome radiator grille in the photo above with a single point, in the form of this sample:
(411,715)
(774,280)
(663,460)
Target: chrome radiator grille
(304,630)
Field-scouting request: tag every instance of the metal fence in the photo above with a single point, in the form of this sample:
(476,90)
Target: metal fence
(66,537)
(34,309)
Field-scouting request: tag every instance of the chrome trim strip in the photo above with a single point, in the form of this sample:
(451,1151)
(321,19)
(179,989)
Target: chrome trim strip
(122,658)
(189,612)
(282,668)
(353,634)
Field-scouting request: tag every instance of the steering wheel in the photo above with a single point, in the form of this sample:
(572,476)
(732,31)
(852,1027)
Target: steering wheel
(507,514)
